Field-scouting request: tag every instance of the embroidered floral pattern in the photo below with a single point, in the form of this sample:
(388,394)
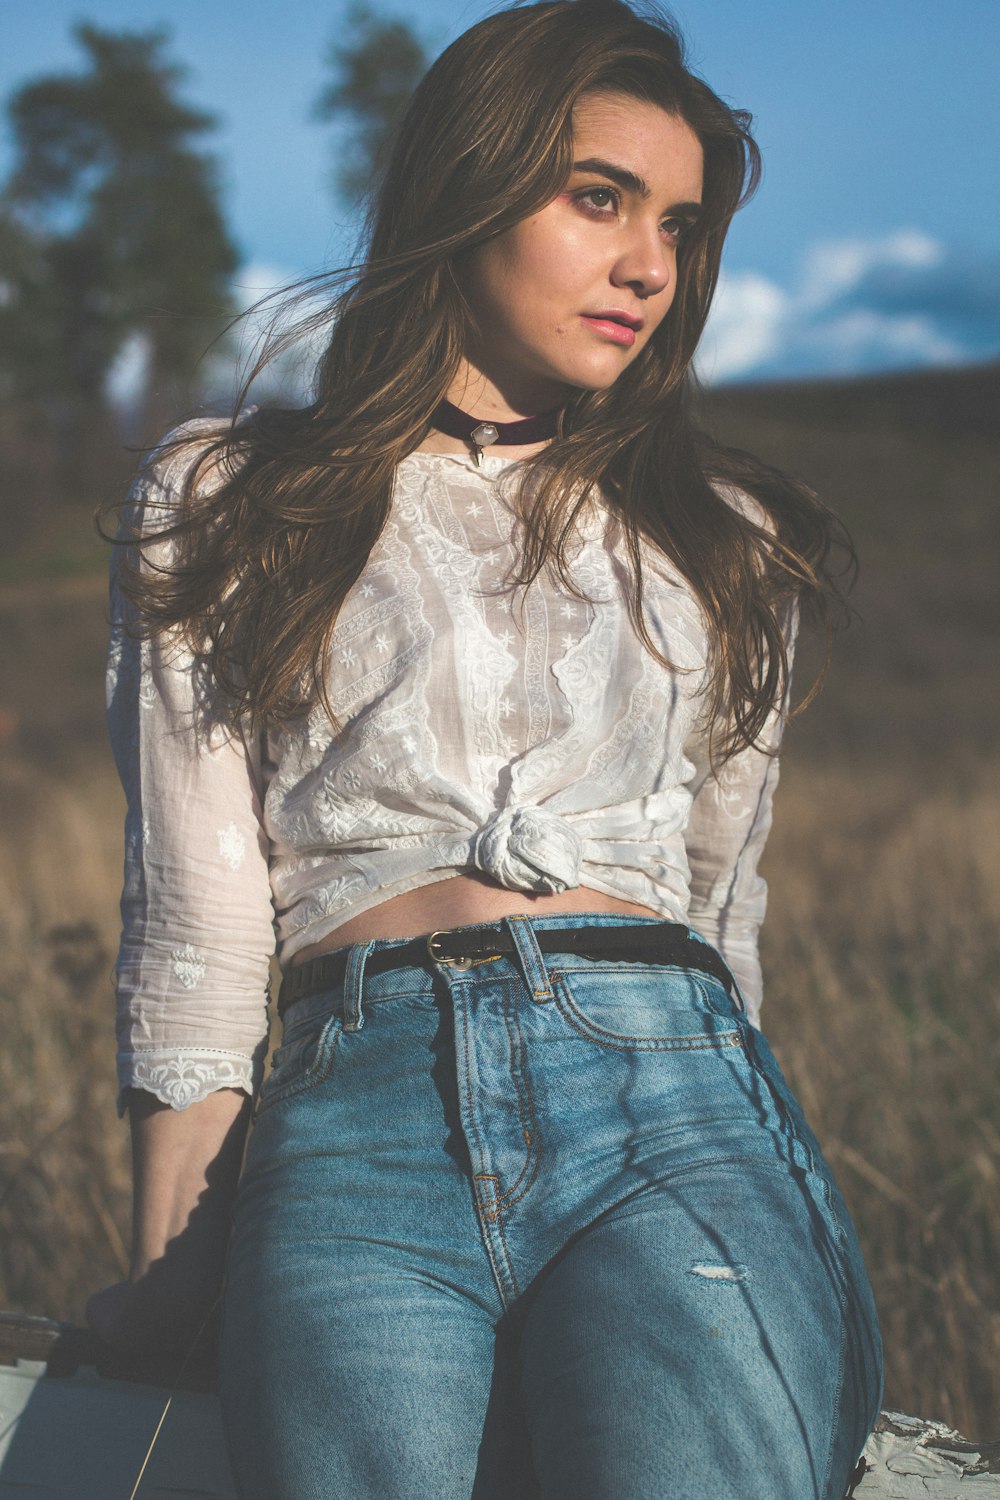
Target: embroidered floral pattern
(188,1077)
(188,965)
(232,846)
(525,733)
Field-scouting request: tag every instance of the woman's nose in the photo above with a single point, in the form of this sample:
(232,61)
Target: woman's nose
(645,263)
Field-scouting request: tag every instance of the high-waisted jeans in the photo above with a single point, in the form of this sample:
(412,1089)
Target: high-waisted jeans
(540,1228)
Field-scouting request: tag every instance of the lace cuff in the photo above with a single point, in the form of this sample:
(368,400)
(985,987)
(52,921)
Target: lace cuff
(180,1077)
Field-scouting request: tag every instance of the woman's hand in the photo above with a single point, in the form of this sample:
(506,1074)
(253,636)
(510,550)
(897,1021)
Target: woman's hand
(107,1316)
(144,1318)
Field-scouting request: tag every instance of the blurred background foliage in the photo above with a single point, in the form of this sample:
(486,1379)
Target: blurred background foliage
(111,231)
(116,262)
(374,69)
(881,950)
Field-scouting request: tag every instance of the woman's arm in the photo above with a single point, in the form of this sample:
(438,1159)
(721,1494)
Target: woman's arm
(197,919)
(186,1165)
(725,836)
(729,823)
(192,968)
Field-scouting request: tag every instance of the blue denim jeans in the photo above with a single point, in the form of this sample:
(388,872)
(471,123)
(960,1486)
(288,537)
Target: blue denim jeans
(540,1228)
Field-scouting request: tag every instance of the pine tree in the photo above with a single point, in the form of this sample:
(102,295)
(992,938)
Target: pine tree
(376,67)
(111,228)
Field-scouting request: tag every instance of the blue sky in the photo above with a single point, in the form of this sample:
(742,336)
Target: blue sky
(874,242)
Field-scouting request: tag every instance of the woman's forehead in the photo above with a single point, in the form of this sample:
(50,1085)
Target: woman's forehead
(642,138)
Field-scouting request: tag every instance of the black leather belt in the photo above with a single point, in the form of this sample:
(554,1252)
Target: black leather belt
(665,943)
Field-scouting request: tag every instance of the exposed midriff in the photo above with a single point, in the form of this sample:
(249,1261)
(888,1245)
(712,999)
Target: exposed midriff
(461,902)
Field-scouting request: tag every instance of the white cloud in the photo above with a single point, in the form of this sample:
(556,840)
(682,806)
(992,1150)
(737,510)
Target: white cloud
(901,300)
(745,327)
(860,339)
(834,267)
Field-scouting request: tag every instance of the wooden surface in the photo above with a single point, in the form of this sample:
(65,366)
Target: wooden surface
(76,1425)
(910,1458)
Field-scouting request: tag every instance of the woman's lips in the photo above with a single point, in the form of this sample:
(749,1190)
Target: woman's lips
(618,333)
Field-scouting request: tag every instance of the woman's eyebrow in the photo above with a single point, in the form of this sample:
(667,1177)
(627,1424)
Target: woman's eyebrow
(630,182)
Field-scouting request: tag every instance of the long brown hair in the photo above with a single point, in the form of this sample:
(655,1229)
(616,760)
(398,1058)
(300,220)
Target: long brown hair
(264,554)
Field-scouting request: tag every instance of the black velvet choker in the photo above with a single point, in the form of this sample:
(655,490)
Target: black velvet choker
(457,423)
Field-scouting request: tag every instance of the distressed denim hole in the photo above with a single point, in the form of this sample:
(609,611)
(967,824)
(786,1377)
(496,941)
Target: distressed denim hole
(728,1274)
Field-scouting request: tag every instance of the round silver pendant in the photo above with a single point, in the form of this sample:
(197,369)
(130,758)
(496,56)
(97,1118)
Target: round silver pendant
(484,434)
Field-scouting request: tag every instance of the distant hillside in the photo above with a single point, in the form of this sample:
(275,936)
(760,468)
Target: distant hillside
(912,465)
(953,403)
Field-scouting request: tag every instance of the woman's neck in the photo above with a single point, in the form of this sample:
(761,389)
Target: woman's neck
(475,394)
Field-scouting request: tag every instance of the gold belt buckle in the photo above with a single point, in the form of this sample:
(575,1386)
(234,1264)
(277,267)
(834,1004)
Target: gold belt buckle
(439,958)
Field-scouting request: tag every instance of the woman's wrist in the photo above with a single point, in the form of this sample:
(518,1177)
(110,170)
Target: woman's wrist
(186,1166)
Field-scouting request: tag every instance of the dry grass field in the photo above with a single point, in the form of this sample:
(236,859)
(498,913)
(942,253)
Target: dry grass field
(881,949)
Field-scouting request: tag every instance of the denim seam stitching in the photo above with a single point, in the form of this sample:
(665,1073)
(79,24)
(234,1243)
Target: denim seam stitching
(467,1090)
(490,1203)
(842,1349)
(546,993)
(487,1239)
(624,1043)
(505,1200)
(511,1196)
(493,1215)
(725,1040)
(308,1080)
(498,1221)
(524,1097)
(790,1124)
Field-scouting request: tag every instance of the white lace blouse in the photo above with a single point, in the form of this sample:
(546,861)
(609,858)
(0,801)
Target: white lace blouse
(528,735)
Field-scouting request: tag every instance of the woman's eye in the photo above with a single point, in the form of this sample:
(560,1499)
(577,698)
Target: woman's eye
(675,229)
(600,200)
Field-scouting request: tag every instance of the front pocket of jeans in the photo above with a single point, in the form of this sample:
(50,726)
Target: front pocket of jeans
(301,1062)
(645,1009)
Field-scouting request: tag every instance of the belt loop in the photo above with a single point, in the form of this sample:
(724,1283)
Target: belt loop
(354,1017)
(533,968)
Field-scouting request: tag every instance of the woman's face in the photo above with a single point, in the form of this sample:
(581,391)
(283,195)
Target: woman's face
(570,296)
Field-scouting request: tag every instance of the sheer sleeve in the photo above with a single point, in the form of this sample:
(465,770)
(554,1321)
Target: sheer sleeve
(728,827)
(197,925)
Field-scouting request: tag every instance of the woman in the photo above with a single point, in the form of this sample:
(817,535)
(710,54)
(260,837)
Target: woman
(473,673)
